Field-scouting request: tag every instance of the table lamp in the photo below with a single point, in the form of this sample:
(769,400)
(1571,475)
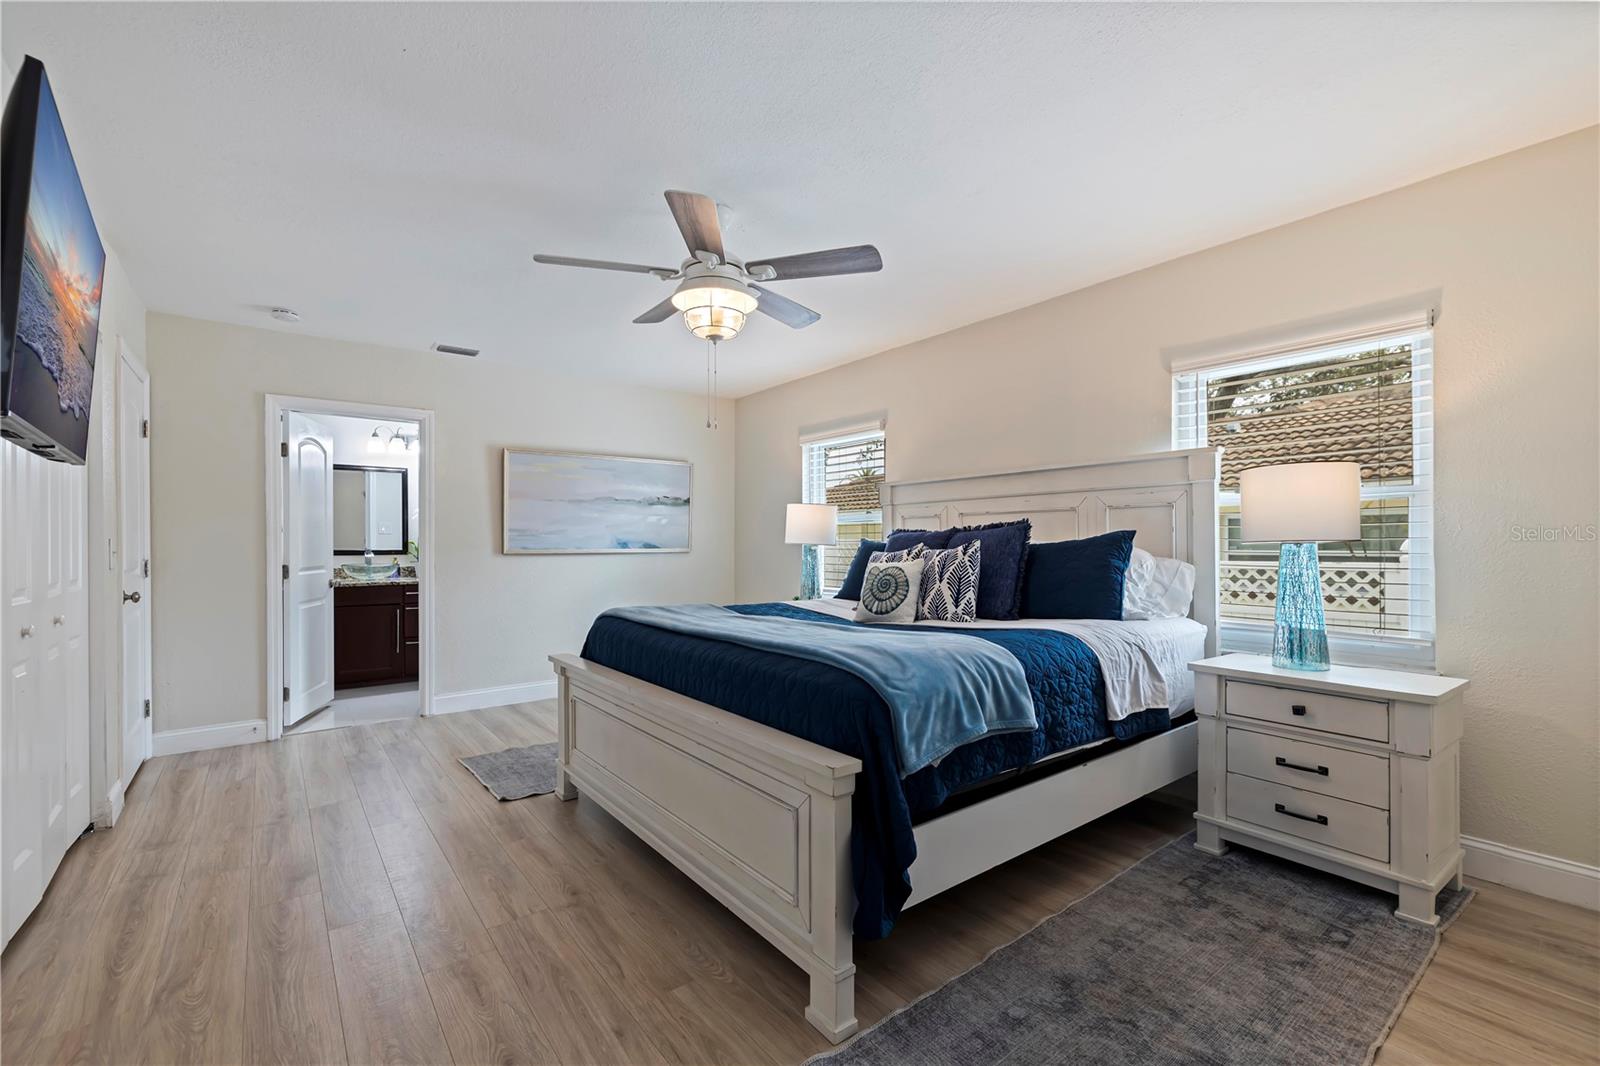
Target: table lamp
(808,524)
(1300,504)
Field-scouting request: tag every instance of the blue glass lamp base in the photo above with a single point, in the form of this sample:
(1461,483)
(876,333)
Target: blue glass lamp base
(810,572)
(1300,635)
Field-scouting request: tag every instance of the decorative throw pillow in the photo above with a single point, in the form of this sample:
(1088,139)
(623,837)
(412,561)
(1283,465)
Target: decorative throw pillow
(1005,550)
(902,539)
(851,588)
(950,584)
(889,592)
(913,552)
(1078,578)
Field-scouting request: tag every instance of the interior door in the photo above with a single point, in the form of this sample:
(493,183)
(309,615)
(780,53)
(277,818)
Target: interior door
(133,559)
(308,583)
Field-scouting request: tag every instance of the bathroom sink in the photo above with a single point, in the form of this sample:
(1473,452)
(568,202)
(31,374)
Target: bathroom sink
(362,572)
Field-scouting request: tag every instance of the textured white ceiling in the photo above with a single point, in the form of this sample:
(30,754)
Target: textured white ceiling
(388,169)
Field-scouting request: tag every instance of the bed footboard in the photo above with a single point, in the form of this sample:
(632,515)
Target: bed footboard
(758,818)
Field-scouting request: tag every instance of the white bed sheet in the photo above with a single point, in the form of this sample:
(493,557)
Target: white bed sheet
(1145,663)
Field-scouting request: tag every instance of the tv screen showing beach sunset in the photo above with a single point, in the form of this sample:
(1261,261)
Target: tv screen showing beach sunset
(58,300)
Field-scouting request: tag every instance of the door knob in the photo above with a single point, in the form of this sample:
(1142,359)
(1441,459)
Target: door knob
(27,631)
(130,597)
(59,620)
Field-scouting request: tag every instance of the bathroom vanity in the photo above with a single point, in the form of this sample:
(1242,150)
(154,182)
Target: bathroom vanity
(374,632)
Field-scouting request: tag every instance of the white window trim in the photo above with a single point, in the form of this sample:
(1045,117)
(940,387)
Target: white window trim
(1395,651)
(813,490)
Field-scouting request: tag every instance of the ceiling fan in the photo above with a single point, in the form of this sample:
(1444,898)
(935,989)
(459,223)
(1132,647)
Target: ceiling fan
(716,290)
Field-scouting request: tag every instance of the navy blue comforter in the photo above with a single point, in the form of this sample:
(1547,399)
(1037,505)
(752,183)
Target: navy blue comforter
(832,707)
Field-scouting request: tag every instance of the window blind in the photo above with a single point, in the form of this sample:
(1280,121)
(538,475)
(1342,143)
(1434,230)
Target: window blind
(847,472)
(1369,402)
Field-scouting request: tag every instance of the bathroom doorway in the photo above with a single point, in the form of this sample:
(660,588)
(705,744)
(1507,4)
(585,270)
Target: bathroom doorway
(349,526)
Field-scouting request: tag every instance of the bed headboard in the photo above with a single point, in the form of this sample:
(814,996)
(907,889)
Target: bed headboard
(1168,498)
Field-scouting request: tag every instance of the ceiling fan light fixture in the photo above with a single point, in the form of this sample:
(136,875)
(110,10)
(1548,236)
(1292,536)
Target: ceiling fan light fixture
(714,308)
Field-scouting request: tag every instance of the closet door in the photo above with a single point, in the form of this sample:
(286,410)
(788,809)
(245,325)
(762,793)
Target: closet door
(44,726)
(63,631)
(21,795)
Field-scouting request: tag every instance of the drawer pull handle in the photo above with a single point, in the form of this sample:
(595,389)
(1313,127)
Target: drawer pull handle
(1320,819)
(1298,709)
(1286,764)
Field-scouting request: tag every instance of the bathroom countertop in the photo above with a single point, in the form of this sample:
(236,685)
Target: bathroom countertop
(342,579)
(358,582)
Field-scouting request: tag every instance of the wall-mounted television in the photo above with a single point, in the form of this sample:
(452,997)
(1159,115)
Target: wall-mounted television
(53,265)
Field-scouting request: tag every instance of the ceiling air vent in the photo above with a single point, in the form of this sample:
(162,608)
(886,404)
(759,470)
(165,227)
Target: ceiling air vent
(456,349)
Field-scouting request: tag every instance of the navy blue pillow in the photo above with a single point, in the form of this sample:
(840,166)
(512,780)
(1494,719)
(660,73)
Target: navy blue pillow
(1005,550)
(901,539)
(1077,578)
(851,589)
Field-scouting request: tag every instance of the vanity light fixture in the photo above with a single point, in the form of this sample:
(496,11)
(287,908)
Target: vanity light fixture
(387,439)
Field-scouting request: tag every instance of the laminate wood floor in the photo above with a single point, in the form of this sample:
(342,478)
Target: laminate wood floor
(355,895)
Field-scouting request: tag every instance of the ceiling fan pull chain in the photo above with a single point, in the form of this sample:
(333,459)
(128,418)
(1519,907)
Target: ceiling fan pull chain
(709,346)
(716,421)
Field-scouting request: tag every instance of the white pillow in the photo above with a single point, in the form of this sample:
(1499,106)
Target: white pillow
(1156,587)
(890,592)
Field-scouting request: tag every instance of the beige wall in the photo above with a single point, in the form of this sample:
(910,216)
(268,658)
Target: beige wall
(498,616)
(1511,247)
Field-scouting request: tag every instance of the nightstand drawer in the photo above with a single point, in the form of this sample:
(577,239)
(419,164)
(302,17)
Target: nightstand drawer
(1330,771)
(1309,710)
(1337,823)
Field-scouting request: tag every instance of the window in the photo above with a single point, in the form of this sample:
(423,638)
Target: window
(1368,401)
(845,471)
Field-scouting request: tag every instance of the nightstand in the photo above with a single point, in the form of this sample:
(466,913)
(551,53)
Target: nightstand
(1352,771)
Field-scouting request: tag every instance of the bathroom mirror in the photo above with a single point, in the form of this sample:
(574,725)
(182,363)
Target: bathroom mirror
(369,510)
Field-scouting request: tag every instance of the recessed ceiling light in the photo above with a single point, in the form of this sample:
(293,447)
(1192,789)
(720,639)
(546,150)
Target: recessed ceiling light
(283,314)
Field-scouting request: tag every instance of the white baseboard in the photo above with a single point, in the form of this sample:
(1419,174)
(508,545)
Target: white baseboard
(199,738)
(477,698)
(1529,871)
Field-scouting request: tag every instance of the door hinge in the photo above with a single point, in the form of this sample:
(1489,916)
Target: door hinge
(283,449)
(147,708)
(286,694)
(144,428)
(286,571)
(147,568)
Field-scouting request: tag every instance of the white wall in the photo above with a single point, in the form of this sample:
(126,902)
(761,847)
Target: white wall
(122,321)
(498,616)
(1510,245)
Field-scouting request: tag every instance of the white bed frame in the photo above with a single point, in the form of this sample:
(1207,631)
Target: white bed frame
(761,819)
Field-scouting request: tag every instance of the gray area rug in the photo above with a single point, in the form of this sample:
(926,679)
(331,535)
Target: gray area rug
(516,773)
(1183,958)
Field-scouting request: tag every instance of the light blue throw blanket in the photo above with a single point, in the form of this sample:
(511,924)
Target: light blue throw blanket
(943,689)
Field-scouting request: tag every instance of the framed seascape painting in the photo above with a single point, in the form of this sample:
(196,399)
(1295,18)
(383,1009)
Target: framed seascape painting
(565,502)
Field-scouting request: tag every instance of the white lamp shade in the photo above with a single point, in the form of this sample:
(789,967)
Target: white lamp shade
(811,523)
(1300,502)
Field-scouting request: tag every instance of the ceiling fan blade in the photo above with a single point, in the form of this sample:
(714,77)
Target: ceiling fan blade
(601,264)
(861,259)
(659,313)
(785,310)
(696,216)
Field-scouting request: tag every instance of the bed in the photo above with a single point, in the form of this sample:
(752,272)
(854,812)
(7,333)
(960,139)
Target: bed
(700,747)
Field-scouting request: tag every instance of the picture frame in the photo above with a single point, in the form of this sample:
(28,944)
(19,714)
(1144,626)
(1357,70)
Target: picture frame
(586,503)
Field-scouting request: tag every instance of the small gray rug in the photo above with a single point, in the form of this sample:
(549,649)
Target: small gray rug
(516,772)
(1183,958)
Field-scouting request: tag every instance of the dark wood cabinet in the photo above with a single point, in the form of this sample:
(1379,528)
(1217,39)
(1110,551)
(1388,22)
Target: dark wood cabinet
(375,634)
